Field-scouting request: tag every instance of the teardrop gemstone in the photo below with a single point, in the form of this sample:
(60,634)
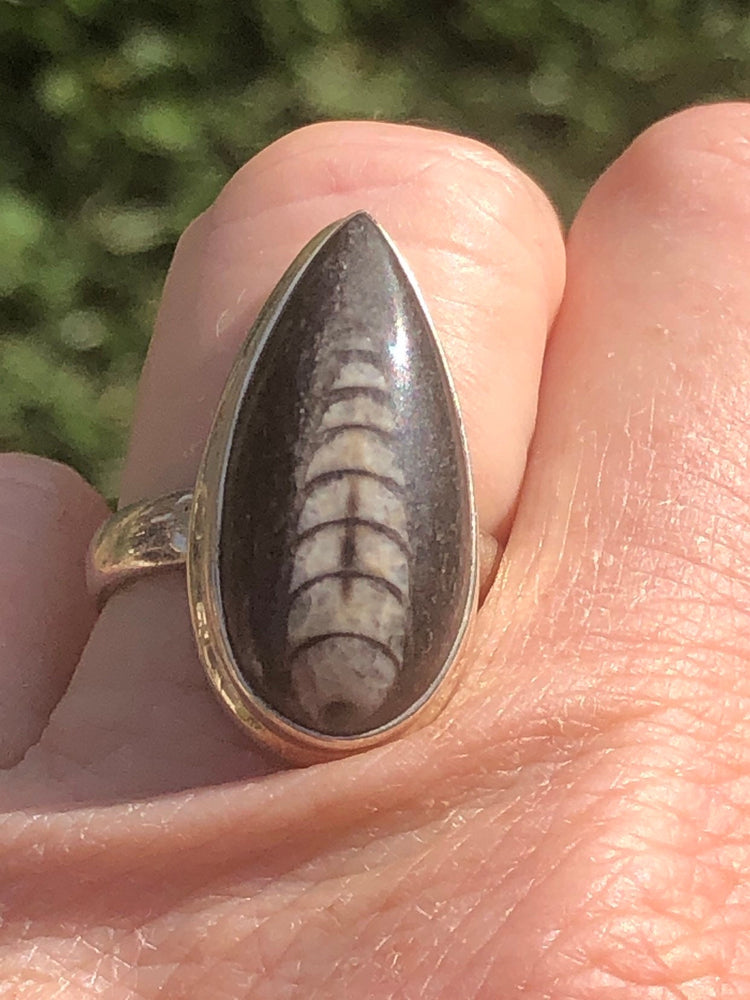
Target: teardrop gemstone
(346,562)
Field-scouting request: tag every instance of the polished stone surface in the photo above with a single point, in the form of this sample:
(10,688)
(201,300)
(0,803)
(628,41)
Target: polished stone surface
(345,545)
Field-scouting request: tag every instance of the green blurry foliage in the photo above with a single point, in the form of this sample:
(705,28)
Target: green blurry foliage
(121,119)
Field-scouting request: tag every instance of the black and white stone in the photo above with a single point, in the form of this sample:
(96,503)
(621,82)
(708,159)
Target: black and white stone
(345,560)
(349,590)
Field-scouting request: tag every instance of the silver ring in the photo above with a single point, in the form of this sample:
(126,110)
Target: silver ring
(330,538)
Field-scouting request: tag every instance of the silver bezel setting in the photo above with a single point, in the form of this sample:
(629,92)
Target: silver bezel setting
(292,741)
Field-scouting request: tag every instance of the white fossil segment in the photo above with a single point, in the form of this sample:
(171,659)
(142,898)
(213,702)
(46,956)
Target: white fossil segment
(357,341)
(355,605)
(360,375)
(358,410)
(355,448)
(329,501)
(318,554)
(374,553)
(349,586)
(342,679)
(380,555)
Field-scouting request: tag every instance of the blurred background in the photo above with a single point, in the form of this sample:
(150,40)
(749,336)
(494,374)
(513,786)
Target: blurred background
(121,120)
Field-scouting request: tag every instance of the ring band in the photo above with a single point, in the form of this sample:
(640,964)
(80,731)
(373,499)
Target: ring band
(138,540)
(330,538)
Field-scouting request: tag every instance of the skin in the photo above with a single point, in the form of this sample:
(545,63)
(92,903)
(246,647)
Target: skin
(577,825)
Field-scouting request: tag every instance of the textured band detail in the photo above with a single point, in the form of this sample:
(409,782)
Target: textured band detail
(137,540)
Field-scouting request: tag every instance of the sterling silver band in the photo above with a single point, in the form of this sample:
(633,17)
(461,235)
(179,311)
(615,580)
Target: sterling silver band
(144,537)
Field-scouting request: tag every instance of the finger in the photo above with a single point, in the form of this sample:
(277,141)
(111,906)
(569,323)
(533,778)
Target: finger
(488,258)
(485,247)
(631,539)
(47,516)
(622,677)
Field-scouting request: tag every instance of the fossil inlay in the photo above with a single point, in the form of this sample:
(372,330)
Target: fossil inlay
(350,579)
(345,547)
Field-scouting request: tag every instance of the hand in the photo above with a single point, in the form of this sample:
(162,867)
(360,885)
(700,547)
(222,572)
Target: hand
(577,824)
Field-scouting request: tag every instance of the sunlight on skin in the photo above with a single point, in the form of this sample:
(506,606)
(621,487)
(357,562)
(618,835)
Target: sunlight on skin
(578,824)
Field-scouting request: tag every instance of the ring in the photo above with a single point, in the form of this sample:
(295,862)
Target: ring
(330,538)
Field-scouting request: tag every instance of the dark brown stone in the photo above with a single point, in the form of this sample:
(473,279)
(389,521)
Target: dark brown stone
(345,562)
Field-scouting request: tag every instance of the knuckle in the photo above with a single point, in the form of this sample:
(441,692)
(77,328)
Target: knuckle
(339,165)
(721,128)
(693,164)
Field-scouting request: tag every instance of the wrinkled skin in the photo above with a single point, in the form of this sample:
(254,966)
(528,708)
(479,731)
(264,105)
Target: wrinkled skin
(577,825)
